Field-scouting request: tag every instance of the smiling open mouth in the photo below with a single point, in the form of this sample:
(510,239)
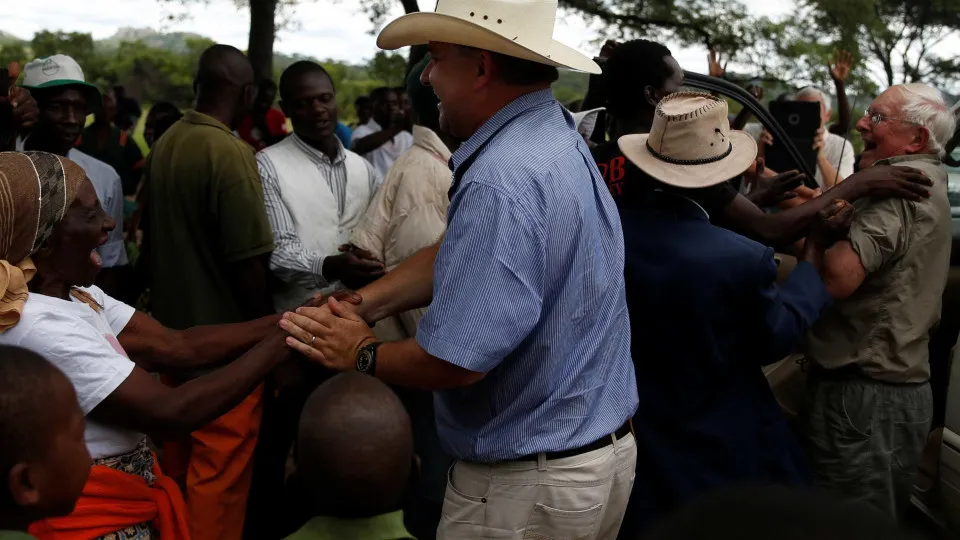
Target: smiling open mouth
(96,259)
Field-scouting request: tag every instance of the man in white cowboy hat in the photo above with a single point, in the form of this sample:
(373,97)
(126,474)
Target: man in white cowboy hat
(869,403)
(706,313)
(65,99)
(526,340)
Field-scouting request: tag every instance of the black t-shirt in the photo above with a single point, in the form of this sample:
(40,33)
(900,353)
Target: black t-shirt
(628,184)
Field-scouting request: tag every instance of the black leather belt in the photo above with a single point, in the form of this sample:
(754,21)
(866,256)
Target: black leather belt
(602,442)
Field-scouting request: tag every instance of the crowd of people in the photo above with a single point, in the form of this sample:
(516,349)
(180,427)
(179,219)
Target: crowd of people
(476,313)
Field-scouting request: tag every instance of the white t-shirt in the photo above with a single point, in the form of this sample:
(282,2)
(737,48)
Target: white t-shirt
(83,344)
(837,150)
(106,182)
(382,158)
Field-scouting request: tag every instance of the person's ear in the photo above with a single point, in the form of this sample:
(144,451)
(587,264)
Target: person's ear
(921,138)
(23,486)
(485,69)
(650,95)
(283,107)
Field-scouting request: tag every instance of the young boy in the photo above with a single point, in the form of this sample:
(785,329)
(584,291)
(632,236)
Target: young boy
(42,452)
(355,456)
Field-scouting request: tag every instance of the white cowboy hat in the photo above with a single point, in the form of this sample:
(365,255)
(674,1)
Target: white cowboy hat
(691,144)
(586,121)
(518,28)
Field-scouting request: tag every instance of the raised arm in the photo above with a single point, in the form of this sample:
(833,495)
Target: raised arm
(840,68)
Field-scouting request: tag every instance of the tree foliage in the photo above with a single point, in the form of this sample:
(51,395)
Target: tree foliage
(896,40)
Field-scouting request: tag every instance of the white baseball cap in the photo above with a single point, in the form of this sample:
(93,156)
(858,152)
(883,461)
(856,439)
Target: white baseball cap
(57,71)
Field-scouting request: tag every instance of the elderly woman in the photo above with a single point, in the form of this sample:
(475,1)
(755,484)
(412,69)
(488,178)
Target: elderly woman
(50,226)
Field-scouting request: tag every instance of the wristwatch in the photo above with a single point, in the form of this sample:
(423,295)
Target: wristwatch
(367,358)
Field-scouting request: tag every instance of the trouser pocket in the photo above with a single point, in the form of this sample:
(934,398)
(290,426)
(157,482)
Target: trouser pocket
(547,523)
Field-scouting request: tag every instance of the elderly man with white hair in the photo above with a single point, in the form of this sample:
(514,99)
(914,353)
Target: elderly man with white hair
(834,153)
(869,403)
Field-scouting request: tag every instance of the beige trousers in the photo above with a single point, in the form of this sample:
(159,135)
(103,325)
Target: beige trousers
(577,498)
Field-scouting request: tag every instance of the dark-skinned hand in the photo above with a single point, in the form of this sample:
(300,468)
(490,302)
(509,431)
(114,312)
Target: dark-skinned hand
(354,267)
(290,375)
(884,181)
(770,191)
(832,224)
(608,47)
(22,110)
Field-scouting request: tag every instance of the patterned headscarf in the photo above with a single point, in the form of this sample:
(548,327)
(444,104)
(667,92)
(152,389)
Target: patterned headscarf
(36,188)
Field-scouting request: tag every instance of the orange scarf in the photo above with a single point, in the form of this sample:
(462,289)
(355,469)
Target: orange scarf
(113,500)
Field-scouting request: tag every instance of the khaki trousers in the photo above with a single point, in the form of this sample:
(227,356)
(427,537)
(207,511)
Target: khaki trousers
(577,498)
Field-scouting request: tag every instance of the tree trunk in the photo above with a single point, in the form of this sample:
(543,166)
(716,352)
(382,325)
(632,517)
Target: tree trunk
(263,31)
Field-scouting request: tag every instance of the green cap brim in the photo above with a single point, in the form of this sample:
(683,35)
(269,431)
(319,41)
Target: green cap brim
(94,98)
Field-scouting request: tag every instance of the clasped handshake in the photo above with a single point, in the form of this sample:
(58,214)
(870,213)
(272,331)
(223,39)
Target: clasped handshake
(331,329)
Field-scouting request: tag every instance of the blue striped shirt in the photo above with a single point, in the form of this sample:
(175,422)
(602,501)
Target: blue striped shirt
(528,288)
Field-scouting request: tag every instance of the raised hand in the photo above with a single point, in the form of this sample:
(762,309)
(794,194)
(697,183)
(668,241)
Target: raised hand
(770,191)
(841,65)
(716,69)
(608,48)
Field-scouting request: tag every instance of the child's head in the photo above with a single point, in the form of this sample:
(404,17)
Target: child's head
(42,451)
(356,446)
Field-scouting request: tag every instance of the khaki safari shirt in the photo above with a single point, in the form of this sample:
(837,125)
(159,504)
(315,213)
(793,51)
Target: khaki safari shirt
(885,326)
(206,211)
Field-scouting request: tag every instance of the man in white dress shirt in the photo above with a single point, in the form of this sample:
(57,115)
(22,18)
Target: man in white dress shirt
(315,192)
(384,138)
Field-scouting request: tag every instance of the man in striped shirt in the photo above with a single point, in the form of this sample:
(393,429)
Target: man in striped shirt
(315,192)
(526,341)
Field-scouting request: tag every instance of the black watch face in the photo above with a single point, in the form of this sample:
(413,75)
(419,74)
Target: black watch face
(364,360)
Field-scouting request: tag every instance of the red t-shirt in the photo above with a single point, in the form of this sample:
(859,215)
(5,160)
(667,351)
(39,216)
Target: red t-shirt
(276,123)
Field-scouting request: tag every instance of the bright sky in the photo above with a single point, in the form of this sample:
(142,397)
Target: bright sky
(333,29)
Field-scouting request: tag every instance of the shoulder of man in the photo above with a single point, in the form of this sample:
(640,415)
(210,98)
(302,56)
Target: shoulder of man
(928,165)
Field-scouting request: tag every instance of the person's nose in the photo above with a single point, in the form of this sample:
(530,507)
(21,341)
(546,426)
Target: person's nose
(109,224)
(425,75)
(864,125)
(72,116)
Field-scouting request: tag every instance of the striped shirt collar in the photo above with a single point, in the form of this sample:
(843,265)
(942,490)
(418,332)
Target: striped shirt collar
(497,121)
(317,155)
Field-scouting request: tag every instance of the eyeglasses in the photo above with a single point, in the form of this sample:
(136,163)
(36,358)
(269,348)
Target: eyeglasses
(876,118)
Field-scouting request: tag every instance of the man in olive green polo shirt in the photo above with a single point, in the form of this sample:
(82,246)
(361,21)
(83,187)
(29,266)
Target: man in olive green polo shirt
(354,460)
(869,403)
(209,245)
